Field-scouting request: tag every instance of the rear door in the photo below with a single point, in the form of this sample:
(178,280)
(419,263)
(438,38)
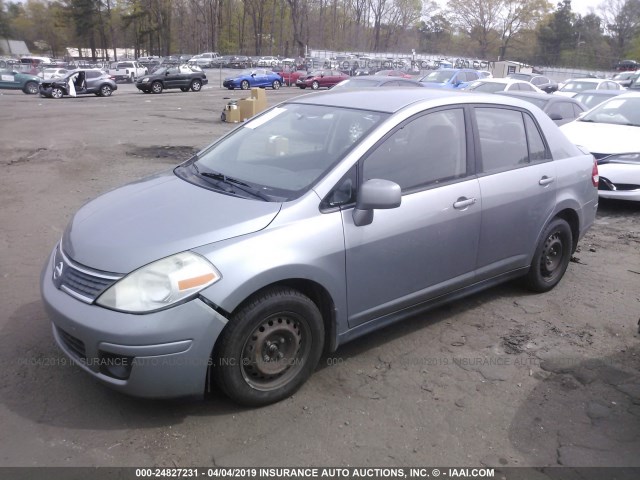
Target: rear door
(518,186)
(8,79)
(428,245)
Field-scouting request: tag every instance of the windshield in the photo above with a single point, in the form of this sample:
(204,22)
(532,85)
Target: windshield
(491,87)
(439,76)
(579,86)
(538,102)
(160,71)
(619,111)
(351,83)
(286,150)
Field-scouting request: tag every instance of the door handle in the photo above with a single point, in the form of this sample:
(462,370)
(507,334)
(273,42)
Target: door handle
(546,180)
(463,202)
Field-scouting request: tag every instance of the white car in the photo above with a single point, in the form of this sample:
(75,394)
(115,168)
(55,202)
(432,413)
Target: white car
(577,85)
(49,73)
(611,132)
(493,85)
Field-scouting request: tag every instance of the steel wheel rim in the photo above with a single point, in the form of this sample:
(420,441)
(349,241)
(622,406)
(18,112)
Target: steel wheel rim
(106,91)
(196,86)
(56,93)
(244,85)
(156,87)
(552,255)
(276,351)
(32,88)
(276,85)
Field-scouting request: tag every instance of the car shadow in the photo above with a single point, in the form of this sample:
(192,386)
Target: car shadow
(38,382)
(583,412)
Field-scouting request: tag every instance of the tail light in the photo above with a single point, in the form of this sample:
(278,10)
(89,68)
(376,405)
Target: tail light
(595,178)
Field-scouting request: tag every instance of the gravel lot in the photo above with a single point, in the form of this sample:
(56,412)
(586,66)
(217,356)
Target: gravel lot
(503,378)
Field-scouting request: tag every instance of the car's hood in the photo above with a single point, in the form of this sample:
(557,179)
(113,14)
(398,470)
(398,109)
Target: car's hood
(156,217)
(603,137)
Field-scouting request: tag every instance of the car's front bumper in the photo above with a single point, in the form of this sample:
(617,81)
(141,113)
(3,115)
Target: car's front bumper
(143,85)
(46,91)
(163,354)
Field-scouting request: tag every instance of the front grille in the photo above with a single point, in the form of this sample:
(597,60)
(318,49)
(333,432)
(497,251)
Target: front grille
(74,344)
(81,282)
(607,185)
(84,284)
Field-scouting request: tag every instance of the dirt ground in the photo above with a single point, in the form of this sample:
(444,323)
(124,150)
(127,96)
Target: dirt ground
(502,378)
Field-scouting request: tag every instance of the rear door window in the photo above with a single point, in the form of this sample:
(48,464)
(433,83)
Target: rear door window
(508,139)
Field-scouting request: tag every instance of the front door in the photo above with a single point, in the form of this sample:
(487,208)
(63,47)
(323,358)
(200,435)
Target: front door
(428,245)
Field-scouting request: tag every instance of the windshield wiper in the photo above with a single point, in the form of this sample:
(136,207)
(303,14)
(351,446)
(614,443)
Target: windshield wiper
(245,187)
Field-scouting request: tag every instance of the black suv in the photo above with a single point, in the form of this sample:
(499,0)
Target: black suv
(185,77)
(79,82)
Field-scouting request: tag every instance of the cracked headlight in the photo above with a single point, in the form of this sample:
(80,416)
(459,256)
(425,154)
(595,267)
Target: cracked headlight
(160,284)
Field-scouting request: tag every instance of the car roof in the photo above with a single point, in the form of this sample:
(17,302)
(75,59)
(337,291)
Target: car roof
(391,100)
(604,93)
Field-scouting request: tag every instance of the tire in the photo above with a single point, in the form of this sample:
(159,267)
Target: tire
(184,89)
(31,88)
(269,347)
(551,257)
(56,92)
(105,91)
(156,87)
(275,85)
(196,86)
(244,85)
(315,85)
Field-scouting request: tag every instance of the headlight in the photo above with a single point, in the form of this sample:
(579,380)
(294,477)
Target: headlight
(145,79)
(160,284)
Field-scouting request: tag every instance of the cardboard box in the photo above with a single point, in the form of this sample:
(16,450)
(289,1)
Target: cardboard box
(232,115)
(260,96)
(247,108)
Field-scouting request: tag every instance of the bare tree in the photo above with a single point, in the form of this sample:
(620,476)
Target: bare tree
(478,18)
(518,15)
(621,22)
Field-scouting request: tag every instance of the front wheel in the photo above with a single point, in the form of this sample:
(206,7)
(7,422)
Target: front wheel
(156,87)
(269,347)
(551,257)
(244,85)
(275,85)
(31,88)
(196,85)
(315,85)
(56,92)
(105,91)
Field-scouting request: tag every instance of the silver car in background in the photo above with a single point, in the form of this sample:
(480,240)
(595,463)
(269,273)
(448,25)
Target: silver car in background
(316,222)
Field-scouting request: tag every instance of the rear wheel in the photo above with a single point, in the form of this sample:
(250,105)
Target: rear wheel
(105,91)
(196,85)
(244,85)
(275,85)
(56,92)
(269,347)
(551,257)
(30,88)
(156,87)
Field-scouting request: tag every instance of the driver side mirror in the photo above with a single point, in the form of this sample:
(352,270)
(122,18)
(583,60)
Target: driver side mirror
(375,194)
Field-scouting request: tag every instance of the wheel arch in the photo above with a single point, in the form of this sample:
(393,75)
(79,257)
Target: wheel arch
(317,293)
(571,217)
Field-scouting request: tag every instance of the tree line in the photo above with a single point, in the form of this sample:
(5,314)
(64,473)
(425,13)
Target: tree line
(532,31)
